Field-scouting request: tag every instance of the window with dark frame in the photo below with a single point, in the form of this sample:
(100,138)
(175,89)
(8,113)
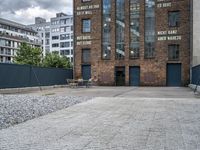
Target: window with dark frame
(85,1)
(174,18)
(149,29)
(106,37)
(86,55)
(134,51)
(120,30)
(86,25)
(173,52)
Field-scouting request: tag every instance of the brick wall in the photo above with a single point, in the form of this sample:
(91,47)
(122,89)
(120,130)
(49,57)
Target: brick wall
(153,71)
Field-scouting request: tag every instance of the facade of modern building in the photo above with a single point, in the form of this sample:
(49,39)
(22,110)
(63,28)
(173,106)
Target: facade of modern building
(132,42)
(12,34)
(56,35)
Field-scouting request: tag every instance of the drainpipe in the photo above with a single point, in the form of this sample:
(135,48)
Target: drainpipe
(191,38)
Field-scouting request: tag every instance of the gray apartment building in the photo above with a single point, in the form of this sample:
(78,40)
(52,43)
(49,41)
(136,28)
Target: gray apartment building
(56,35)
(12,34)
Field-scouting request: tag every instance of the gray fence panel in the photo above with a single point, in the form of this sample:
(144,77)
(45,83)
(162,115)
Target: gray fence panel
(15,76)
(196,75)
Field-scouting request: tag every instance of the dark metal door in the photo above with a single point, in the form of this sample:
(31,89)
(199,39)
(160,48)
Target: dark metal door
(120,76)
(86,72)
(134,76)
(173,74)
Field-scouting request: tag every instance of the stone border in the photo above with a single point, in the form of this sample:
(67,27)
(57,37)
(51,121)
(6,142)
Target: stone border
(29,89)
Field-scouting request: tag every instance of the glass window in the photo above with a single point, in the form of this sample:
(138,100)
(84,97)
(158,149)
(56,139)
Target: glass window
(134,28)
(86,55)
(106,29)
(86,24)
(65,52)
(64,36)
(55,45)
(55,37)
(63,21)
(149,29)
(120,29)
(86,1)
(63,29)
(64,44)
(174,18)
(173,52)
(47,42)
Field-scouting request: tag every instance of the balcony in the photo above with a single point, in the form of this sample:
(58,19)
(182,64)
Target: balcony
(20,38)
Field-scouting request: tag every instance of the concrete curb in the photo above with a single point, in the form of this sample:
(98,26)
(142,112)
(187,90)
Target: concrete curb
(193,86)
(29,89)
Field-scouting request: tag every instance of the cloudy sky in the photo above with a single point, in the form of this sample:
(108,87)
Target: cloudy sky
(25,11)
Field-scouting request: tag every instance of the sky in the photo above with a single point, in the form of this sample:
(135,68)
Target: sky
(25,11)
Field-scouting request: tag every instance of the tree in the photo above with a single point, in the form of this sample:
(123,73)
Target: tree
(28,55)
(55,60)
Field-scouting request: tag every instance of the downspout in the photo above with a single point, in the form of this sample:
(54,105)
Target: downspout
(191,38)
(74,39)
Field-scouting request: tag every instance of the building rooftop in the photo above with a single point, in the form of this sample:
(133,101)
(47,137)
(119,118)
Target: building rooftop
(15,24)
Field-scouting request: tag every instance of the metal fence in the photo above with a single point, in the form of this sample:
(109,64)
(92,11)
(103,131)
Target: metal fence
(196,75)
(15,76)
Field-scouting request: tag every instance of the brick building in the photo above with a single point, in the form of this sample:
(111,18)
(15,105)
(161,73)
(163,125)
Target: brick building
(132,42)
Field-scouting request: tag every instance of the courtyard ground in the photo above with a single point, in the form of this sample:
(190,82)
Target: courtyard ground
(117,118)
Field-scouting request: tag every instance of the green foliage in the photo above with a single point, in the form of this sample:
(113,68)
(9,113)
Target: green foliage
(33,56)
(28,55)
(55,60)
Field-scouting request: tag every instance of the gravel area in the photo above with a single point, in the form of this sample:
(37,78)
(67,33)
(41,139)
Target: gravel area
(15,109)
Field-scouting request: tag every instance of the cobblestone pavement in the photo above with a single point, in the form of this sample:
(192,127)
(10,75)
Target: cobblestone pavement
(112,123)
(15,109)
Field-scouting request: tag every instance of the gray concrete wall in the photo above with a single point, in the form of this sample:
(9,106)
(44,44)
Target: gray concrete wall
(196,32)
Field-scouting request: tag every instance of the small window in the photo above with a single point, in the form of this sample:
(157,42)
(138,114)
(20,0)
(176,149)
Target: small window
(86,55)
(174,18)
(149,50)
(55,45)
(55,37)
(64,44)
(173,52)
(86,25)
(85,1)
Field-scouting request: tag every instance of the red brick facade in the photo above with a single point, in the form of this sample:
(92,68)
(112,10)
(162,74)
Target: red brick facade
(153,71)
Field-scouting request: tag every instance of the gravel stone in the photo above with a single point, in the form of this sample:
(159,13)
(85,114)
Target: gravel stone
(15,109)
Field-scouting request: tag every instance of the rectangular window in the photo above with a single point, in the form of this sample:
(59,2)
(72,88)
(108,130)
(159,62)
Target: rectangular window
(106,53)
(47,35)
(86,25)
(55,45)
(63,21)
(65,52)
(84,1)
(120,29)
(86,55)
(55,37)
(47,42)
(64,44)
(134,29)
(173,52)
(64,36)
(1,59)
(174,18)
(55,30)
(149,29)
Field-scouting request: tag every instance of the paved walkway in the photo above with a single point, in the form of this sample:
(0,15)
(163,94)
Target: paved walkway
(154,92)
(120,123)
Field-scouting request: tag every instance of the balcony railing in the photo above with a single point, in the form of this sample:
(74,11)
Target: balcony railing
(25,39)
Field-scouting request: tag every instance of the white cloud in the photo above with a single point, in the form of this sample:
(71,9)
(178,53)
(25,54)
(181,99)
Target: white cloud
(26,13)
